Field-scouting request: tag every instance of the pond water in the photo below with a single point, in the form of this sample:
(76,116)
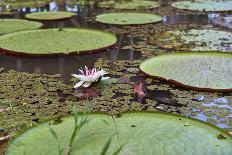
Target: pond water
(166,98)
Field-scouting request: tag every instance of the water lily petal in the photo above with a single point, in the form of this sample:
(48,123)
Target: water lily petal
(87,84)
(105,78)
(78,84)
(95,77)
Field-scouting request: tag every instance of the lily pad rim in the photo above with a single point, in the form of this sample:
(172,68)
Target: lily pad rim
(171,81)
(109,8)
(196,10)
(123,114)
(72,14)
(6,51)
(129,13)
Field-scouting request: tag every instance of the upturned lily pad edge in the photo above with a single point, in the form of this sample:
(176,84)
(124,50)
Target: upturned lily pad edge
(178,116)
(176,83)
(84,52)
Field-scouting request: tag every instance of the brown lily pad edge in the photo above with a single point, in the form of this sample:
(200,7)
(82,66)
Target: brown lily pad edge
(176,83)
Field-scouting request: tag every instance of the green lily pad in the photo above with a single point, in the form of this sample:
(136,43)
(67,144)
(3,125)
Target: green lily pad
(56,41)
(58,15)
(195,40)
(129,5)
(25,3)
(204,5)
(128,18)
(137,133)
(13,25)
(210,71)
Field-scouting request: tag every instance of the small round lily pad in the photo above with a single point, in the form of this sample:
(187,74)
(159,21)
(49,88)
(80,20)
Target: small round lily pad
(56,41)
(129,5)
(204,5)
(131,134)
(57,15)
(128,18)
(209,71)
(13,25)
(194,40)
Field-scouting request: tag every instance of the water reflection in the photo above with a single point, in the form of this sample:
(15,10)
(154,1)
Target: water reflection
(68,64)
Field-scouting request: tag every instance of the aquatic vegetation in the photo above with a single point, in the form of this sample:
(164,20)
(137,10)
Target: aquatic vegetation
(130,131)
(207,71)
(89,76)
(128,5)
(139,90)
(204,5)
(83,94)
(194,40)
(25,3)
(13,25)
(56,41)
(128,18)
(56,15)
(222,20)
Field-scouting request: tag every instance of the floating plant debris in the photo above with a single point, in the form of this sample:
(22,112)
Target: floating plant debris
(13,25)
(204,5)
(55,41)
(194,40)
(56,15)
(209,71)
(137,132)
(129,5)
(223,20)
(128,18)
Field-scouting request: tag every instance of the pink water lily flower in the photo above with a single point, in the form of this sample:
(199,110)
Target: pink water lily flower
(89,76)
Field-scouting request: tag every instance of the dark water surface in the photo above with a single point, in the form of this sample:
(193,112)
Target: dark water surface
(65,65)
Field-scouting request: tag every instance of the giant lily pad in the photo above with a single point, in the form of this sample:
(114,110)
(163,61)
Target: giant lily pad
(12,25)
(195,40)
(209,71)
(137,133)
(128,18)
(50,15)
(26,3)
(56,41)
(133,4)
(204,5)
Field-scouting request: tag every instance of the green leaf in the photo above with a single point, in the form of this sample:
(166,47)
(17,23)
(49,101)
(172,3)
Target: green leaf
(127,5)
(56,41)
(50,15)
(106,147)
(128,18)
(204,5)
(13,25)
(208,71)
(154,133)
